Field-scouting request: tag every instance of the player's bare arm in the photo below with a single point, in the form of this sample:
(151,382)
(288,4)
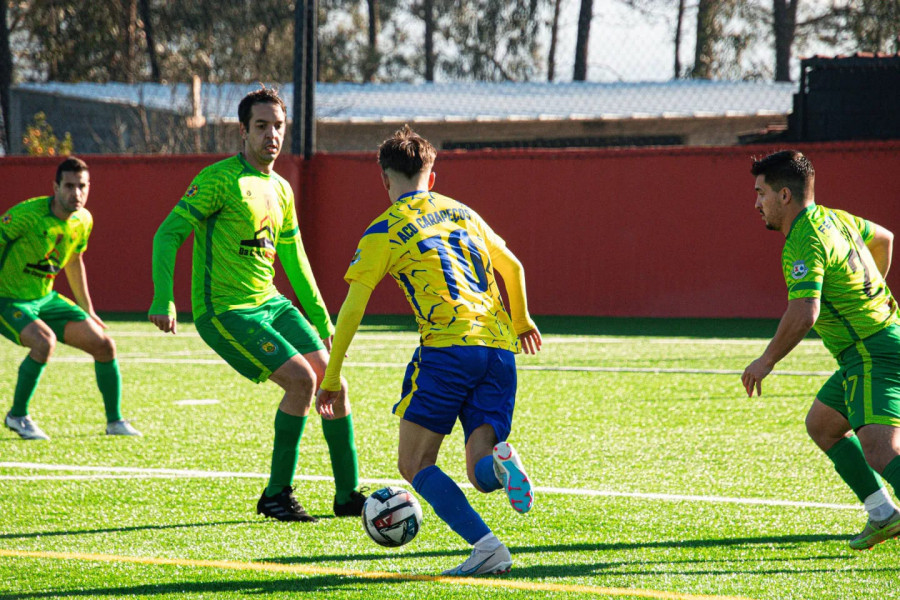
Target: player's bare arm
(77,278)
(881,246)
(798,319)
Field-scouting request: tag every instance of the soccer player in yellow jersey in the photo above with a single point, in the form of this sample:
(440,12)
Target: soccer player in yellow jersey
(834,265)
(242,215)
(443,256)
(39,238)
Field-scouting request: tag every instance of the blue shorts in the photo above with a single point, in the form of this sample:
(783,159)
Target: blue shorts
(477,384)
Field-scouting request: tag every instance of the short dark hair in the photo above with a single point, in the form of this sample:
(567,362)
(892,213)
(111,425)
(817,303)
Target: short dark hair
(264,95)
(787,169)
(71,165)
(406,152)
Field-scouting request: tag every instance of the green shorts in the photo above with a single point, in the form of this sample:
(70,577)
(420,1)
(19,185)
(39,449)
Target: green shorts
(256,341)
(866,387)
(52,309)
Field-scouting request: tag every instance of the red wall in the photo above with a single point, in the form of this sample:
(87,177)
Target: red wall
(659,232)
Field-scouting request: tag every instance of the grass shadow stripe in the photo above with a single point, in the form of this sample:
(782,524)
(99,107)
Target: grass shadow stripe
(311,570)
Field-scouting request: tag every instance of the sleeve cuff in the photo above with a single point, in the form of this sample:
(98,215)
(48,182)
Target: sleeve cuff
(162,307)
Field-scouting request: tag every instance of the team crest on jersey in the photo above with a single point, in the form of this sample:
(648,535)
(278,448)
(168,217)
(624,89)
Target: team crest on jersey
(799,270)
(268,347)
(356,257)
(17,315)
(191,191)
(6,220)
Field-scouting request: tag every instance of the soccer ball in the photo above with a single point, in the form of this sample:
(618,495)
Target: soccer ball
(392,516)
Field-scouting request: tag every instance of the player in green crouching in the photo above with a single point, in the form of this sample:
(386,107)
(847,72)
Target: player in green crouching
(443,255)
(834,265)
(242,215)
(39,238)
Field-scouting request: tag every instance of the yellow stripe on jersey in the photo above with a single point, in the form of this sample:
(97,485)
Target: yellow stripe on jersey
(438,251)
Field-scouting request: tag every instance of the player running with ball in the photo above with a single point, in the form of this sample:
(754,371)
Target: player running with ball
(443,256)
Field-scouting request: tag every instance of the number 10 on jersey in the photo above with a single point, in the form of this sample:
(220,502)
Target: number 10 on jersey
(451,249)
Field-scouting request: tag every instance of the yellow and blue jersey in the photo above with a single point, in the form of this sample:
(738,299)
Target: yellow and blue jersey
(439,252)
(825,256)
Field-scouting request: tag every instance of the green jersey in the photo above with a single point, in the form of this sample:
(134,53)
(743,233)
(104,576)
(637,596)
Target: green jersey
(35,245)
(825,257)
(239,215)
(241,219)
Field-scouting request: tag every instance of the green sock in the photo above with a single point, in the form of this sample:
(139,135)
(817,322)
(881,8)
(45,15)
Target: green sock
(892,474)
(109,380)
(285,451)
(29,374)
(342,448)
(850,463)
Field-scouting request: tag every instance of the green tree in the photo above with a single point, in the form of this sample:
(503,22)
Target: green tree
(869,25)
(490,41)
(68,40)
(238,41)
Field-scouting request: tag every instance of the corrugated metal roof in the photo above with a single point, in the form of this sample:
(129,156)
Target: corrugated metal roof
(472,101)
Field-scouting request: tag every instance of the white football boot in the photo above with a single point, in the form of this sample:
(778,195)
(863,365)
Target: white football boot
(509,470)
(121,427)
(484,562)
(25,427)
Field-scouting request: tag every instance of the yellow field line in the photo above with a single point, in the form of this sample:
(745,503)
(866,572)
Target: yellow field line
(313,570)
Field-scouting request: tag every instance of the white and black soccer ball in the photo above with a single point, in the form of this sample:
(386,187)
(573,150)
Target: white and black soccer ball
(392,516)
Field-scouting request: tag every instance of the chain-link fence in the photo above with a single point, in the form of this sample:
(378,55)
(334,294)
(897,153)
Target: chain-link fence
(478,73)
(129,118)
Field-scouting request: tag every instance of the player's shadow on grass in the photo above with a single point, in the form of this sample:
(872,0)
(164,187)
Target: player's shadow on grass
(464,551)
(352,583)
(290,583)
(66,532)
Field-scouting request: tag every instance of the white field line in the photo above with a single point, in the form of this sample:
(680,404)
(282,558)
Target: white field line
(402,365)
(549,339)
(142,473)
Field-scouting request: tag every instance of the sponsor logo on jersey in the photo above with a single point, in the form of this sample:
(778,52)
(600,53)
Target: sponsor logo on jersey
(191,191)
(799,270)
(261,244)
(47,267)
(357,256)
(268,347)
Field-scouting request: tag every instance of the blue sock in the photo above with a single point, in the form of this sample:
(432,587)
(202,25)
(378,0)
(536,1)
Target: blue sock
(449,503)
(484,473)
